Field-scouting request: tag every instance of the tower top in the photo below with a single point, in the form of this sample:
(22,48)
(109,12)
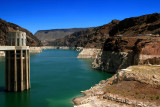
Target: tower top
(17,38)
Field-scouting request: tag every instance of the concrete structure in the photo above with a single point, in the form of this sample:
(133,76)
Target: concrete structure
(17,62)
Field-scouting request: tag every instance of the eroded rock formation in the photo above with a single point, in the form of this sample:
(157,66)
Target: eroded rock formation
(121,52)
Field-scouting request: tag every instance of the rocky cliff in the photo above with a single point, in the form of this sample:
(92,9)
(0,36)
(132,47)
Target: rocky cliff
(50,35)
(121,52)
(6,27)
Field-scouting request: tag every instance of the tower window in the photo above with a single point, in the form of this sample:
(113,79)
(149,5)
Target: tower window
(13,41)
(17,41)
(22,41)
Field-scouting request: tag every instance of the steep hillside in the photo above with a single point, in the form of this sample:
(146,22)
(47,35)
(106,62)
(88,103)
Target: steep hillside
(93,37)
(146,24)
(51,35)
(6,27)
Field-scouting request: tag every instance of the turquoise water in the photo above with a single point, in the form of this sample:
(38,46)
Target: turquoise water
(57,76)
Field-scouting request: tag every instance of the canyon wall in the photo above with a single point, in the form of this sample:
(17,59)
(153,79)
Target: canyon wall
(112,61)
(119,53)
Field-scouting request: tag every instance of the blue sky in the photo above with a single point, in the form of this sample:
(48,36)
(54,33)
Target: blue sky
(56,14)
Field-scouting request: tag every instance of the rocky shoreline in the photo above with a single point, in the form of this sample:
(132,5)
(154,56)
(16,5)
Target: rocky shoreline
(108,93)
(137,80)
(63,47)
(34,50)
(89,53)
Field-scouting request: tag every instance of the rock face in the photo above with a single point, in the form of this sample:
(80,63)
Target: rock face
(50,35)
(112,61)
(91,38)
(89,53)
(6,27)
(144,74)
(121,52)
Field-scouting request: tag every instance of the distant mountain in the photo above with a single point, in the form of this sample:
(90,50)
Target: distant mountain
(51,35)
(6,27)
(95,37)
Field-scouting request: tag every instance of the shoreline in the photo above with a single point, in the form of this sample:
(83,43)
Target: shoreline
(89,53)
(62,47)
(33,50)
(110,92)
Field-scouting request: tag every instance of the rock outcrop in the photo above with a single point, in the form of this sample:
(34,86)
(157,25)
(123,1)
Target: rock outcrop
(112,61)
(6,27)
(134,86)
(89,53)
(121,52)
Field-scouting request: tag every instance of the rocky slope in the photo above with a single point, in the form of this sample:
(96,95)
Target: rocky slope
(131,87)
(50,35)
(121,52)
(146,24)
(95,38)
(6,27)
(91,38)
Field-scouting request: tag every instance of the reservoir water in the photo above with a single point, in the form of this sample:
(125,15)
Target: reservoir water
(57,76)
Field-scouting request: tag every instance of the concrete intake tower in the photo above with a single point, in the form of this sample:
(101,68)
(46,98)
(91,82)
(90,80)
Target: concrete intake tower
(17,62)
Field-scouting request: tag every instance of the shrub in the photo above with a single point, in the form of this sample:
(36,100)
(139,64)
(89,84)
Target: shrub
(157,97)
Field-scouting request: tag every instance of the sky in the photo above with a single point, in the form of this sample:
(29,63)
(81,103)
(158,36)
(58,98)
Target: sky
(58,14)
